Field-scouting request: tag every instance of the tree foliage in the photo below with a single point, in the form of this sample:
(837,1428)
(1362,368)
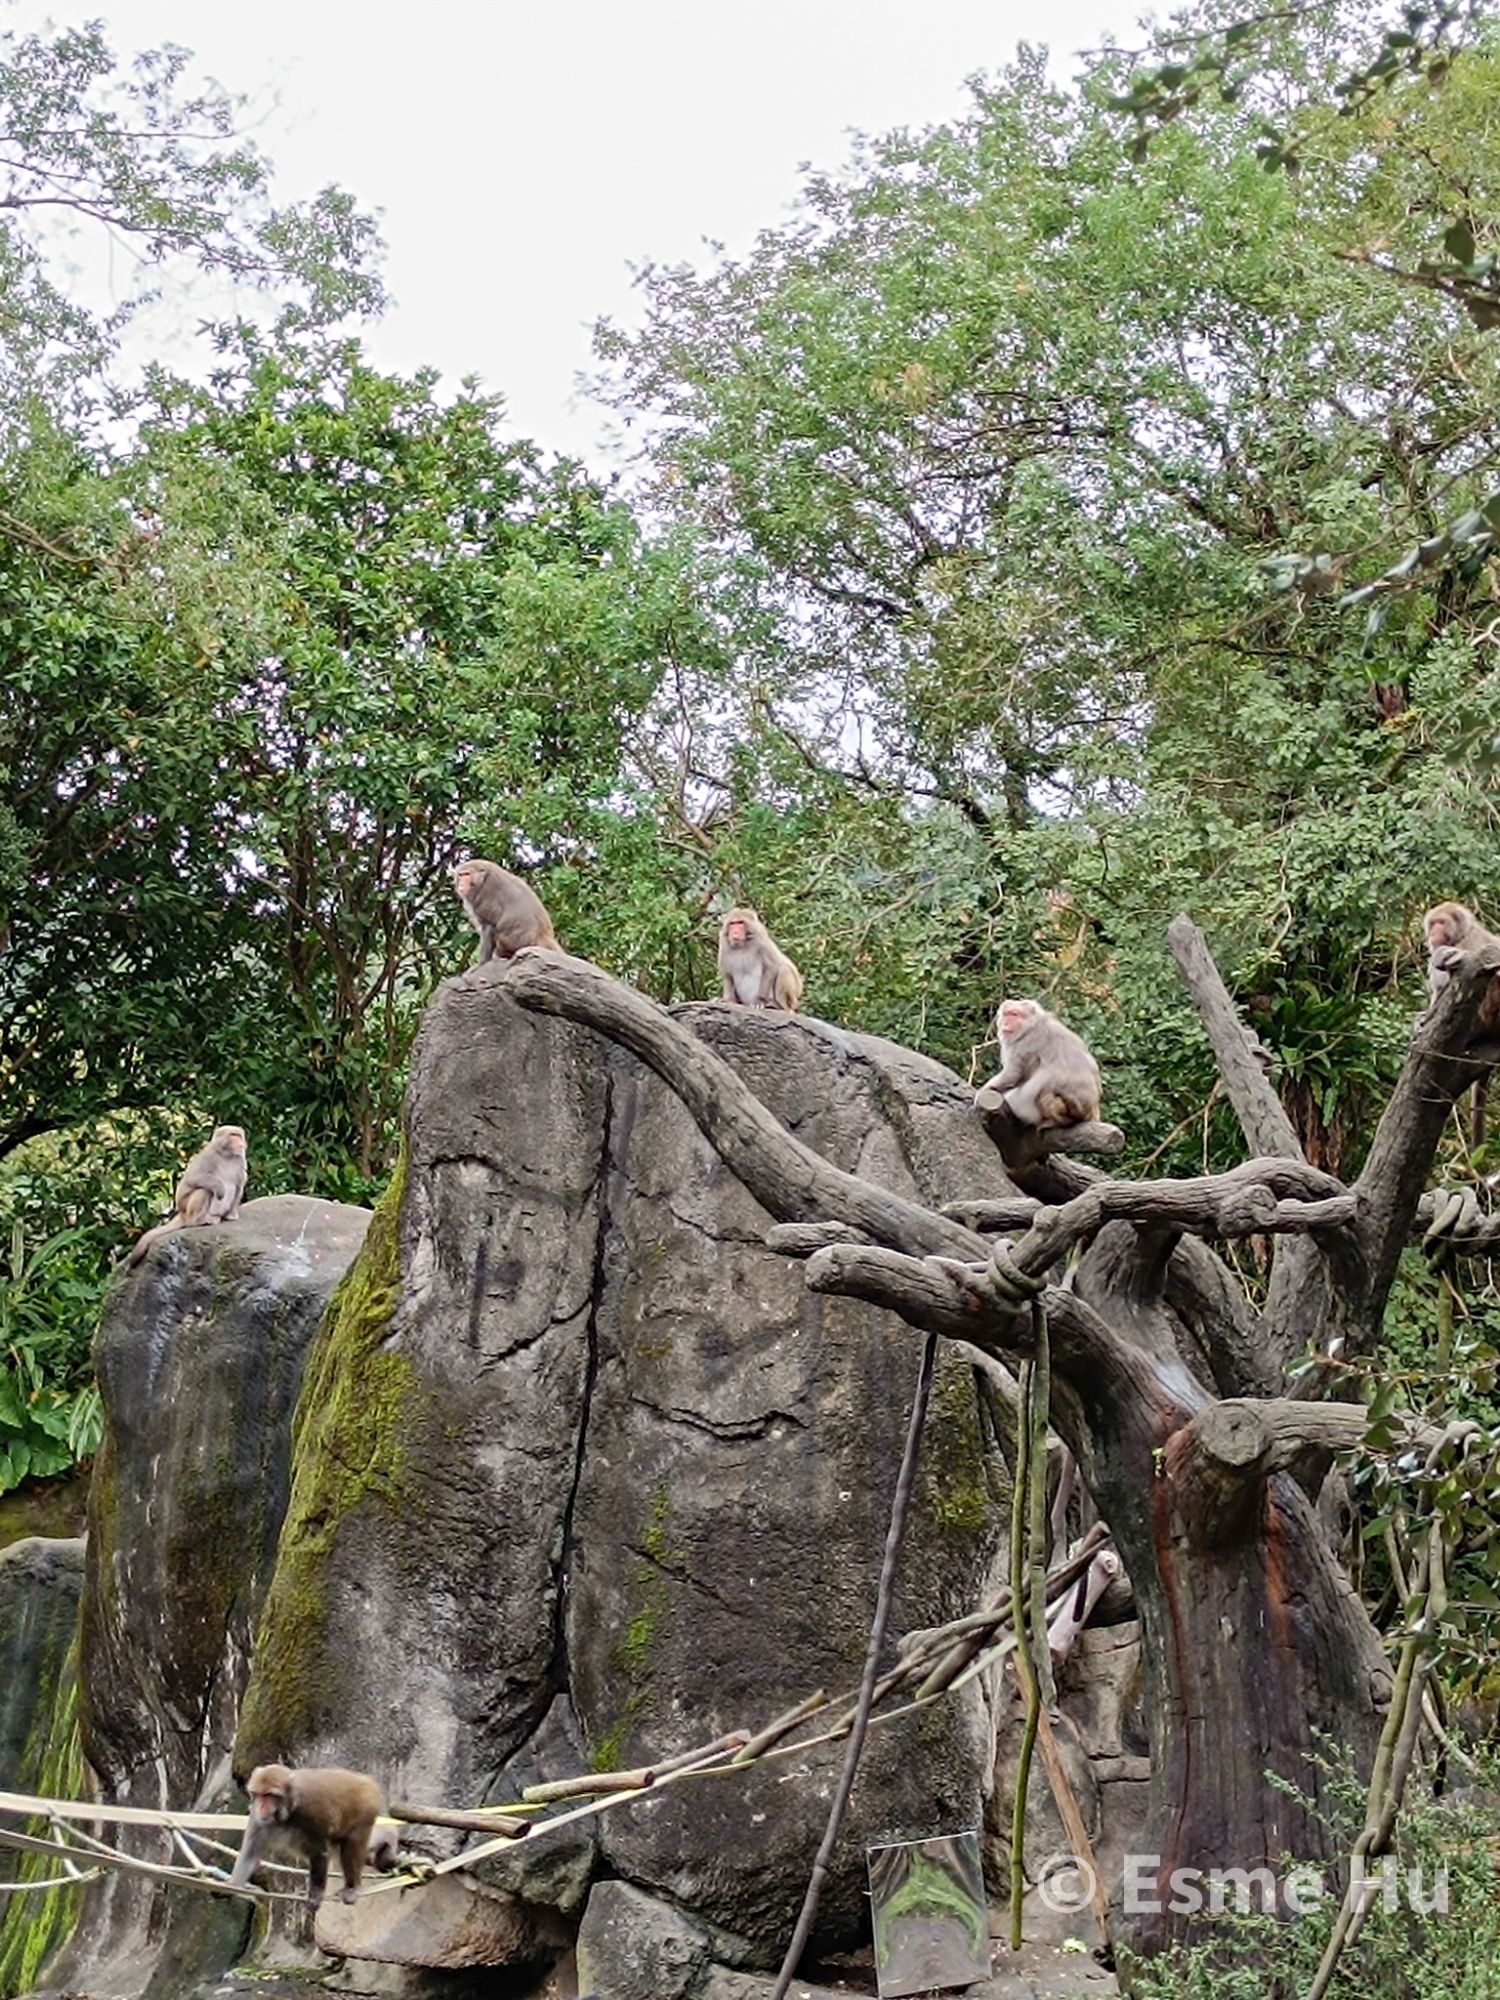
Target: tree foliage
(1007,437)
(345,625)
(134,151)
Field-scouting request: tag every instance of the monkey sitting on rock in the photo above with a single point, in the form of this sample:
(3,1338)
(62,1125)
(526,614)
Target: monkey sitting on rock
(755,970)
(508,914)
(210,1190)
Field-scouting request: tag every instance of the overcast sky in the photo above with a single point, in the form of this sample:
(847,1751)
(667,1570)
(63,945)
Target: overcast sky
(523,157)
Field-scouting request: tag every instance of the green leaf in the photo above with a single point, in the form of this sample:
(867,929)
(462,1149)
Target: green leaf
(1458,241)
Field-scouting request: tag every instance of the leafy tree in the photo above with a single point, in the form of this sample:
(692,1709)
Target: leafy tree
(997,442)
(111,966)
(90,141)
(346,625)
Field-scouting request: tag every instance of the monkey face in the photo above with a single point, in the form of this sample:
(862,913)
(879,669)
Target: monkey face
(1014,1014)
(269,1789)
(1448,924)
(463,883)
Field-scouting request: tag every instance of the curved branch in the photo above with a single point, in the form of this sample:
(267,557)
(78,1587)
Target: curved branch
(787,1178)
(941,1295)
(930,1293)
(1454,1216)
(1441,1066)
(1242,1202)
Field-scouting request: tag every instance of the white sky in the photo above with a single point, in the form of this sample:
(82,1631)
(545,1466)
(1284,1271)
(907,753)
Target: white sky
(523,156)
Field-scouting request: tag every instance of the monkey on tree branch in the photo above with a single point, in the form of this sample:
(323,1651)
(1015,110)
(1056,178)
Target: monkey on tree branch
(1168,1384)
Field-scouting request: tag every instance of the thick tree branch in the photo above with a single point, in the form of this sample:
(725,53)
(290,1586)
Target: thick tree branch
(1309,1279)
(787,1178)
(1441,1066)
(930,1293)
(1021,1145)
(941,1295)
(1242,1202)
(1220,1461)
(1271,1434)
(991,1217)
(1206,1296)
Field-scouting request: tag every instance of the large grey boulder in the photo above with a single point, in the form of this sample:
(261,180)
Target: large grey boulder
(604,1444)
(633,1947)
(199,1354)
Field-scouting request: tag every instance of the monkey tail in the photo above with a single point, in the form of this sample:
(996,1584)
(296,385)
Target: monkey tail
(139,1249)
(1055,1107)
(1481,1106)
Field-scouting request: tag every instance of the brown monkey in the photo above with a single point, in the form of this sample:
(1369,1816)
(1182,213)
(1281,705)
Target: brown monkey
(1047,1076)
(1452,931)
(755,970)
(507,914)
(315,1808)
(210,1190)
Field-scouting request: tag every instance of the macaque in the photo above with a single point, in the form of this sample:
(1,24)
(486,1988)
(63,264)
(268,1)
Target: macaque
(755,970)
(210,1190)
(1047,1076)
(1452,932)
(507,914)
(315,1809)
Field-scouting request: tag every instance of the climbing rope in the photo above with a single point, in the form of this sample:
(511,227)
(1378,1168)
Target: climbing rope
(933,1664)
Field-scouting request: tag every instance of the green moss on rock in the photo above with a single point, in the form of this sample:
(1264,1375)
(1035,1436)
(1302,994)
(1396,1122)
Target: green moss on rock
(352,1439)
(953,1481)
(635,1651)
(35,1925)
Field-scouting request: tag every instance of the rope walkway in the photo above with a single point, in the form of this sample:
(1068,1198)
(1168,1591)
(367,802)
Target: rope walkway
(932,1664)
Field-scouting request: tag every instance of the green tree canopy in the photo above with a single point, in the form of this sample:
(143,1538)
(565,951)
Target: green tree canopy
(343,626)
(1002,437)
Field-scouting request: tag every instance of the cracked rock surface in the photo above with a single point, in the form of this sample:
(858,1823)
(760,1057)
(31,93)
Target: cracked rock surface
(200,1354)
(581,1476)
(638,1490)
